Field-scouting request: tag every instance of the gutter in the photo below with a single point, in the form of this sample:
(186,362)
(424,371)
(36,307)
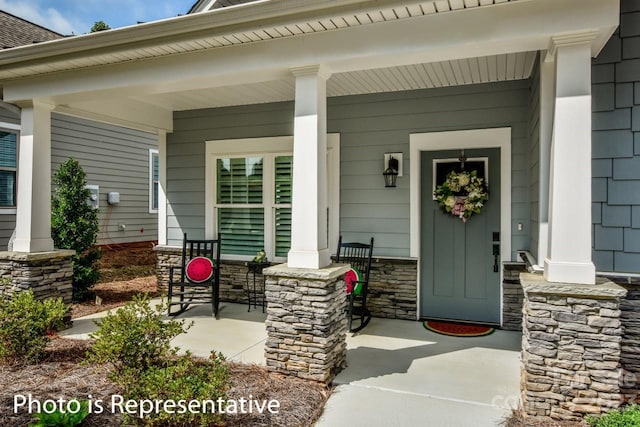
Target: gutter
(214,23)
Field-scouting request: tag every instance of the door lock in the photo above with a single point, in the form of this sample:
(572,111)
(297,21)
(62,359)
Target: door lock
(496,252)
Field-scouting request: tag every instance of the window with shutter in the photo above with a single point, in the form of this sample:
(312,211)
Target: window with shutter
(248,195)
(241,216)
(282,200)
(154,180)
(8,168)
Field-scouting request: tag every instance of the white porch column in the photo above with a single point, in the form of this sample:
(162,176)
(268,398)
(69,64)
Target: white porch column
(33,216)
(569,240)
(309,194)
(547,103)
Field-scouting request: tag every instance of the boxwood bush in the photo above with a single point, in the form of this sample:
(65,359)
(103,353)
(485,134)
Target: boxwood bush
(24,325)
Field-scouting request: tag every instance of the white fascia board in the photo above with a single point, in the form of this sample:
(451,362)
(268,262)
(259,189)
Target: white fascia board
(513,27)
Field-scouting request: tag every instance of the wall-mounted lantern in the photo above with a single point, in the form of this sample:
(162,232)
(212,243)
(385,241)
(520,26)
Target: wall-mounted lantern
(393,168)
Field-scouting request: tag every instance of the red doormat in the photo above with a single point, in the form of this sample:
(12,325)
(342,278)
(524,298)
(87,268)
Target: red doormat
(456,329)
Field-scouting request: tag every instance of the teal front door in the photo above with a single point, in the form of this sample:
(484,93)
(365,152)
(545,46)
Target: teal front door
(459,273)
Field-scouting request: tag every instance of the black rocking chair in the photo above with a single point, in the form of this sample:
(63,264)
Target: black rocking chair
(358,255)
(199,278)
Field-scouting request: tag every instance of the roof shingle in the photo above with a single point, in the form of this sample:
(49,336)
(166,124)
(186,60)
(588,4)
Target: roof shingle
(16,32)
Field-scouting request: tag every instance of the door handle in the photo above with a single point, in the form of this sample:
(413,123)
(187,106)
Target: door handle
(496,252)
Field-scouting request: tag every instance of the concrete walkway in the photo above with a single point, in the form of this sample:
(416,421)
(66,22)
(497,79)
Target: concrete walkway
(398,374)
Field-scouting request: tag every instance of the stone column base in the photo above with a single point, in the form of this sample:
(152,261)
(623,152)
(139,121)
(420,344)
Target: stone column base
(571,348)
(47,274)
(306,322)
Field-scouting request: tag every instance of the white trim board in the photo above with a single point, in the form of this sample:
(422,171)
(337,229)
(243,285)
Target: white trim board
(458,140)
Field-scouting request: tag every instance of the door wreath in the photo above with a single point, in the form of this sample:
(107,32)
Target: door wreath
(462,194)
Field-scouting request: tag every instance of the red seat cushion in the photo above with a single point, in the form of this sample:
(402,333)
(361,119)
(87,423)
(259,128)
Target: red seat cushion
(199,269)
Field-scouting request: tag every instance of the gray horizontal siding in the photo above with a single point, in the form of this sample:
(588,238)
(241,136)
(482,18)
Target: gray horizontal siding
(369,126)
(116,159)
(186,155)
(534,150)
(7,116)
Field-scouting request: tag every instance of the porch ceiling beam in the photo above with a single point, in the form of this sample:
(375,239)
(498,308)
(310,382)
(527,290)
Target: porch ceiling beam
(514,27)
(128,113)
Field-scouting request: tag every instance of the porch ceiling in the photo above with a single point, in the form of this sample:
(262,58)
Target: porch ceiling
(244,54)
(495,68)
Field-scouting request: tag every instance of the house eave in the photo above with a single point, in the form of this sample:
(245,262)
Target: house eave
(182,34)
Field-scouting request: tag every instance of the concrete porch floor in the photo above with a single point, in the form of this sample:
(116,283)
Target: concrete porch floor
(398,374)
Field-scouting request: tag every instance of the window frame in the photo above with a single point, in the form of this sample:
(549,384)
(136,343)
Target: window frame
(268,147)
(12,128)
(153,153)
(268,204)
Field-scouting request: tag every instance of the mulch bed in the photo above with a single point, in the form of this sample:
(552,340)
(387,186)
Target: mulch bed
(517,419)
(62,375)
(115,294)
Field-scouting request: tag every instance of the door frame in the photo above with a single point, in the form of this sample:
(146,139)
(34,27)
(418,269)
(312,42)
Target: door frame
(452,140)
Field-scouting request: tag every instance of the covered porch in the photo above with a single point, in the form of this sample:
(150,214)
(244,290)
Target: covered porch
(398,372)
(316,93)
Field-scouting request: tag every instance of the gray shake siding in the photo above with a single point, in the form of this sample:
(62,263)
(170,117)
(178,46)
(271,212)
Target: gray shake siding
(616,147)
(116,159)
(369,126)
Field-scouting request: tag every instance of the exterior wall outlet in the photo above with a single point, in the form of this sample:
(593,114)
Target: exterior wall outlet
(122,227)
(113,198)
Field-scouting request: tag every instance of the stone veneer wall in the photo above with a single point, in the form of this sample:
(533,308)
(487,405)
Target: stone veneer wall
(232,274)
(47,274)
(512,295)
(392,283)
(571,348)
(393,289)
(630,307)
(306,321)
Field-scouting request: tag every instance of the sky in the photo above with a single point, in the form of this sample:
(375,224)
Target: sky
(78,16)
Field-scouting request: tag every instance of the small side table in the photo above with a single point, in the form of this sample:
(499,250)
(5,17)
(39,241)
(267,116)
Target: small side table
(255,286)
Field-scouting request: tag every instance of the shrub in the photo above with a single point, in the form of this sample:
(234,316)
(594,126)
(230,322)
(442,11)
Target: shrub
(182,379)
(24,324)
(135,336)
(74,224)
(58,418)
(629,416)
(136,341)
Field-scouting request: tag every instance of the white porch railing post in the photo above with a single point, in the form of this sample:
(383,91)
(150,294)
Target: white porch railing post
(33,214)
(309,194)
(569,241)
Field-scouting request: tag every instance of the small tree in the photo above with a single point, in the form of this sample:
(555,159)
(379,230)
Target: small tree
(74,224)
(99,26)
